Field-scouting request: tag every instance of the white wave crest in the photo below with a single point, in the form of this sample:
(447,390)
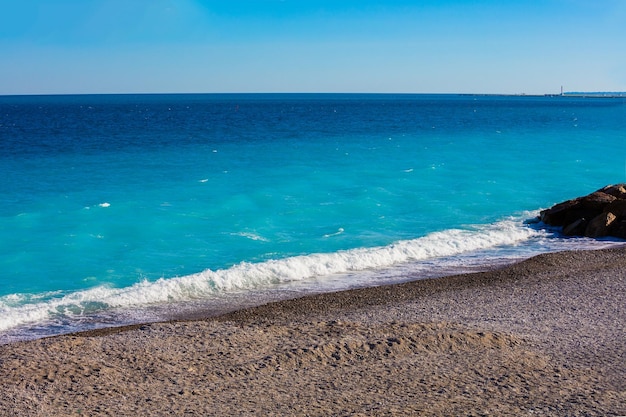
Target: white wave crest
(251,236)
(256,275)
(337,233)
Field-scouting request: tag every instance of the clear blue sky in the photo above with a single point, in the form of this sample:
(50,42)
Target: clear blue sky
(479,46)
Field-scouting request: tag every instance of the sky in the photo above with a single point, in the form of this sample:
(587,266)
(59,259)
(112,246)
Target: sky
(347,46)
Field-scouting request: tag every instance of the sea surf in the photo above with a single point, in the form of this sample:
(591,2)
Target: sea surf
(119,209)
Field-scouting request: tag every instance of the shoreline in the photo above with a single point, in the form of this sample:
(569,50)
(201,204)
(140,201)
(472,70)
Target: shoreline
(544,336)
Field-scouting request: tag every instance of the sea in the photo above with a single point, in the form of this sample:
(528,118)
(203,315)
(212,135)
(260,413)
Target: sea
(122,209)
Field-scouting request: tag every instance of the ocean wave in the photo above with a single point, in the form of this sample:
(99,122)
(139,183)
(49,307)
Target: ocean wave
(21,310)
(251,236)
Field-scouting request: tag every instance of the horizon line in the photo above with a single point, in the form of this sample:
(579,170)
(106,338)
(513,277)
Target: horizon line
(565,93)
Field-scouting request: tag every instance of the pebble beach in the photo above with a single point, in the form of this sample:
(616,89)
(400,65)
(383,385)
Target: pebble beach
(542,337)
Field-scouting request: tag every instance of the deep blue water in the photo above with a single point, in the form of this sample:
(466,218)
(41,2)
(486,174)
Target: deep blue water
(119,208)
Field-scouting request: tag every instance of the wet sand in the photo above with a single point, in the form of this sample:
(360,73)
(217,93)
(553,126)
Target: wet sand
(545,337)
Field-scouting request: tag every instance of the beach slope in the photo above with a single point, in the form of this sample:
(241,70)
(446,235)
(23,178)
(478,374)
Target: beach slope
(544,337)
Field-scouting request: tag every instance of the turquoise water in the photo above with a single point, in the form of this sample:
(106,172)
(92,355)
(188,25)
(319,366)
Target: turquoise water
(114,207)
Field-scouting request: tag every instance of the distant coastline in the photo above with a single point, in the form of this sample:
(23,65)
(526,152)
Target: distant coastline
(591,94)
(602,94)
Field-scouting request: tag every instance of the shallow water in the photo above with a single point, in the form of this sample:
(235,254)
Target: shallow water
(117,209)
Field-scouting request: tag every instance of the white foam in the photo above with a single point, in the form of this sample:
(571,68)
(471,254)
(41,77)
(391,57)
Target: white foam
(243,276)
(251,236)
(337,233)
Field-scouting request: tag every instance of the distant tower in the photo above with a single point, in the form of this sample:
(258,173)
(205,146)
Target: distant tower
(561,90)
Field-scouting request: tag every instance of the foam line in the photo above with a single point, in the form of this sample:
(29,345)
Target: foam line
(257,275)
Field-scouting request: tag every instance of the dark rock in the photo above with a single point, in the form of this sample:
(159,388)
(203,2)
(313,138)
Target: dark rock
(577,228)
(618,229)
(599,225)
(601,213)
(618,190)
(580,213)
(555,216)
(597,200)
(617,207)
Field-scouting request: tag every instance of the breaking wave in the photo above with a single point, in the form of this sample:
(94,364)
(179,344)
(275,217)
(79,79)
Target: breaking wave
(20,310)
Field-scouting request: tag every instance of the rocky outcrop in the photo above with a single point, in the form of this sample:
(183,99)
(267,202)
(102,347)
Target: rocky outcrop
(601,213)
